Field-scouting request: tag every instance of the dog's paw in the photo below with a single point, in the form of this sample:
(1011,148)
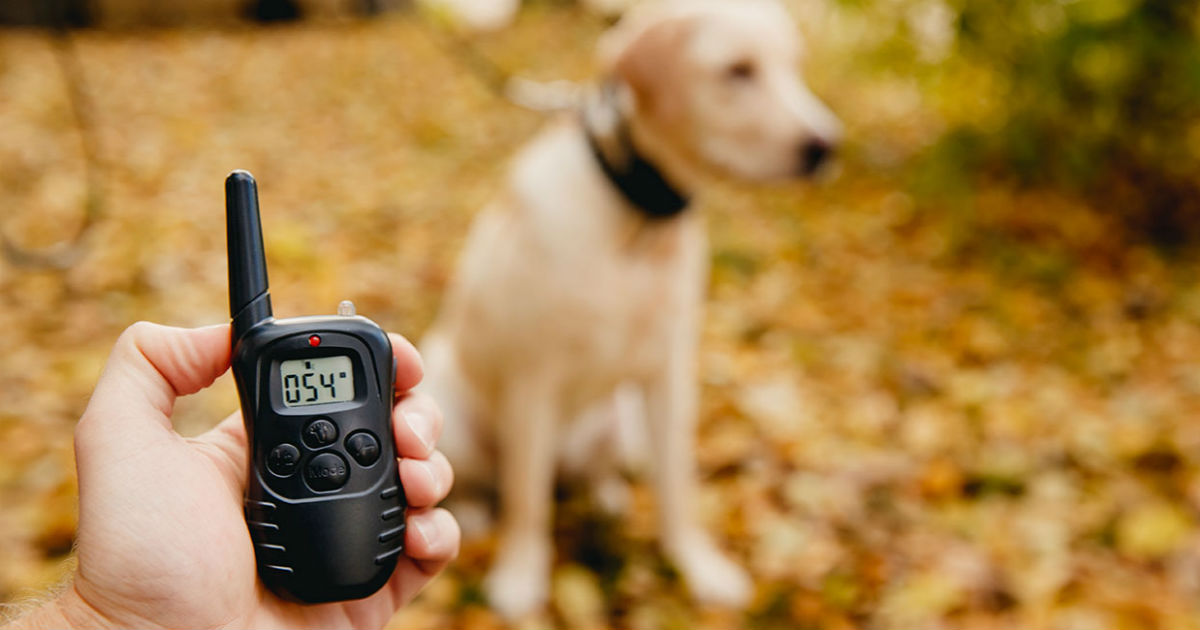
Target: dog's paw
(710,575)
(519,582)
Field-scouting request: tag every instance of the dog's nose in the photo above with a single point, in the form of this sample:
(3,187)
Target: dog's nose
(813,153)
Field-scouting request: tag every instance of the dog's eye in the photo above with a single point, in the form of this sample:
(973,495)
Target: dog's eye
(741,71)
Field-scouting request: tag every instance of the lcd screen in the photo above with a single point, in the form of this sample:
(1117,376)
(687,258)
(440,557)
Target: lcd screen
(316,381)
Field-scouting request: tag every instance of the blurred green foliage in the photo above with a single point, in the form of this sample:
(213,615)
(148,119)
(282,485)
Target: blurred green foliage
(1101,97)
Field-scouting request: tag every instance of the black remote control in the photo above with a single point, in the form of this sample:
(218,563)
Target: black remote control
(324,504)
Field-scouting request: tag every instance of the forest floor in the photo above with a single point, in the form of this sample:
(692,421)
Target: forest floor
(916,412)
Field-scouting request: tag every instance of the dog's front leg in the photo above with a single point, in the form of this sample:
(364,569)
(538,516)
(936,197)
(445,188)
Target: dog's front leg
(518,582)
(671,399)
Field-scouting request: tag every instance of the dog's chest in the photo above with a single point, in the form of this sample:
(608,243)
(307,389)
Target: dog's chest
(562,275)
(615,284)
(620,310)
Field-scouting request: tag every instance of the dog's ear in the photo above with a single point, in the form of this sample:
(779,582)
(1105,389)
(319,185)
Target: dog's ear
(642,52)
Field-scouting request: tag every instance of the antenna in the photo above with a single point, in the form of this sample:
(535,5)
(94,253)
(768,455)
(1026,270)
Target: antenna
(249,299)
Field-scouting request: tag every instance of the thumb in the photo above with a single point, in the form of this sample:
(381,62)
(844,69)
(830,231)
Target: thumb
(149,367)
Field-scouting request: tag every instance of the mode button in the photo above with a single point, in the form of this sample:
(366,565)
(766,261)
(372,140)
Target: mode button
(326,471)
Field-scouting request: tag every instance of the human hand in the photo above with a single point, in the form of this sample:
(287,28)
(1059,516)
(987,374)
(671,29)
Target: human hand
(162,541)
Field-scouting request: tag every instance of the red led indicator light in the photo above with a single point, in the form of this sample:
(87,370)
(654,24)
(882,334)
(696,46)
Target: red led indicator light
(314,341)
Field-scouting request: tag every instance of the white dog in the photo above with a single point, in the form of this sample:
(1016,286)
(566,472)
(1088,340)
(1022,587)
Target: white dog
(587,274)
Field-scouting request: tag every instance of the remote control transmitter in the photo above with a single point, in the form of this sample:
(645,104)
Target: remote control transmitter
(324,503)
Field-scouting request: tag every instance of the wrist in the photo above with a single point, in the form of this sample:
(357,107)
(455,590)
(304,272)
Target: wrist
(67,610)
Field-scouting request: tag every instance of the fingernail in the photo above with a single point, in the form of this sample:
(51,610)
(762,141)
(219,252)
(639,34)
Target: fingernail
(426,529)
(422,427)
(434,482)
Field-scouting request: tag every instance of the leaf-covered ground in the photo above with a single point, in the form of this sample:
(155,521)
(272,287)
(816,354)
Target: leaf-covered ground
(969,409)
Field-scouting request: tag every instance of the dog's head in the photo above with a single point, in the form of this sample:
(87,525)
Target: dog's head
(717,82)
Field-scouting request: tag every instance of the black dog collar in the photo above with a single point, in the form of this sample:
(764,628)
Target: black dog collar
(638,180)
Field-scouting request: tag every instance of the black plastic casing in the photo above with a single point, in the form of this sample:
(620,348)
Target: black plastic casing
(319,546)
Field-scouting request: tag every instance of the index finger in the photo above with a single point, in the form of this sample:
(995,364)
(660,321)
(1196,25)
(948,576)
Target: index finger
(409,367)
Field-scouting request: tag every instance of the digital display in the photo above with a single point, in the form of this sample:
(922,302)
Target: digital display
(317,381)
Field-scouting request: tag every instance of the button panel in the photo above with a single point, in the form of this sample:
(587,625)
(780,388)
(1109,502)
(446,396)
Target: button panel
(324,463)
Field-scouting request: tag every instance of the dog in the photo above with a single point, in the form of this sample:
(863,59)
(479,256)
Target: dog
(576,307)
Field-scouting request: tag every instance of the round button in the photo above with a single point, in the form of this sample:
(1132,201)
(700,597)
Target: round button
(326,471)
(282,459)
(319,433)
(363,447)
